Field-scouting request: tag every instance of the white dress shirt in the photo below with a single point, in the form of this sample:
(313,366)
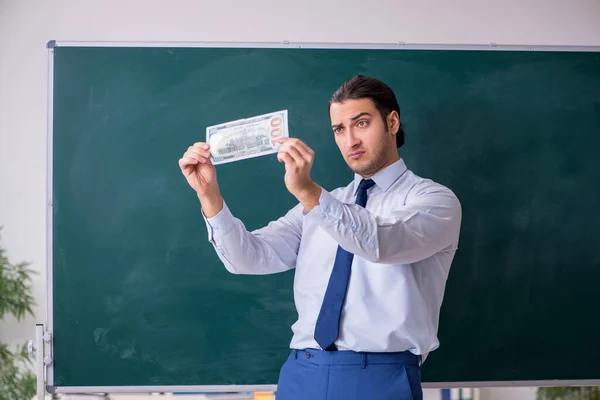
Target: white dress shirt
(404,242)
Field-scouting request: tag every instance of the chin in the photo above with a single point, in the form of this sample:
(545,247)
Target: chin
(360,168)
(364,168)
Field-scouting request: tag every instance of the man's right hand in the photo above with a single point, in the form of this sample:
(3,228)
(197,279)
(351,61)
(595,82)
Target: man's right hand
(201,175)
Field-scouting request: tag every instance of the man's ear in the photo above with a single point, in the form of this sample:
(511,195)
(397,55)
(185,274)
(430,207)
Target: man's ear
(393,122)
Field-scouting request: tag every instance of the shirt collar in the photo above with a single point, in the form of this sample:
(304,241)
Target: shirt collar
(386,177)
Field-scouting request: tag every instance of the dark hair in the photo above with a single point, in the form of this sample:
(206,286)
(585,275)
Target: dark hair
(363,87)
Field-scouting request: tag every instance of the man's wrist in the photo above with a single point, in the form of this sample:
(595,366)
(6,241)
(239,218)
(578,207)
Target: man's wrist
(211,204)
(309,198)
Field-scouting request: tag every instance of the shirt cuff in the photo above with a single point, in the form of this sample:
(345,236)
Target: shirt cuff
(221,224)
(328,211)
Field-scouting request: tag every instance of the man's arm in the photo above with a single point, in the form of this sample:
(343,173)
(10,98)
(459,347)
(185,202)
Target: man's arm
(268,250)
(428,223)
(271,249)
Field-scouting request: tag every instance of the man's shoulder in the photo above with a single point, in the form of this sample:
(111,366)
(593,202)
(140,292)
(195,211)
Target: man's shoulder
(423,186)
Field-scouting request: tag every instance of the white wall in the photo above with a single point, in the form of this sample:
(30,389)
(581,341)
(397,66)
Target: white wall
(26,26)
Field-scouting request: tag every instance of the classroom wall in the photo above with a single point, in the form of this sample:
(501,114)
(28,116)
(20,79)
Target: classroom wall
(26,26)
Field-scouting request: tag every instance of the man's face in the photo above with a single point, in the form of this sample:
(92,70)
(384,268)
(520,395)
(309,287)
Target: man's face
(361,134)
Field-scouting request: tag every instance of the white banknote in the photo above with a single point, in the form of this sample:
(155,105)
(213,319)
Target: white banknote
(247,138)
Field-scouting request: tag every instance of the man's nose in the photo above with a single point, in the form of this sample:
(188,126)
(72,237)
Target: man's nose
(351,139)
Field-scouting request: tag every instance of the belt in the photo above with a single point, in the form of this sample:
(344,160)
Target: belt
(323,357)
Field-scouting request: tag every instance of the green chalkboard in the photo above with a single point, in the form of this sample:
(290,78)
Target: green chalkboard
(139,298)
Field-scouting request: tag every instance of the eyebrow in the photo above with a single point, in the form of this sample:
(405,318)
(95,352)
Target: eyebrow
(357,116)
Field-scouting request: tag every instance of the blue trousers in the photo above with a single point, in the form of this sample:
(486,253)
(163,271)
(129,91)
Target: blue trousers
(345,375)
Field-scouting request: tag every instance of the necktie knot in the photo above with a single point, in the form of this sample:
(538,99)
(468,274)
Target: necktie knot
(361,194)
(365,184)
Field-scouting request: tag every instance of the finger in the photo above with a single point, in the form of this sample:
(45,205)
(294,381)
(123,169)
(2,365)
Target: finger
(285,158)
(307,152)
(284,149)
(295,154)
(185,162)
(197,155)
(202,145)
(196,150)
(194,156)
(285,144)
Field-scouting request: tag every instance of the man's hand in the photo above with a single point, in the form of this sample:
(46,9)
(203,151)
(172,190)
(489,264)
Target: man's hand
(202,177)
(298,159)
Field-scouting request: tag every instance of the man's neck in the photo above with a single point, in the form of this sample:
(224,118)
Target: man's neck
(389,161)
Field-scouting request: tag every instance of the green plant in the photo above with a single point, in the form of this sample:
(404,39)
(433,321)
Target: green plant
(17,381)
(568,393)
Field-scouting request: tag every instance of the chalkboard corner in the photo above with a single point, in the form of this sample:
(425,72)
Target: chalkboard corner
(51,44)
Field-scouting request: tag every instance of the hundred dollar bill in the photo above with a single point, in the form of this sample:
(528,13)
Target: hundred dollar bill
(247,138)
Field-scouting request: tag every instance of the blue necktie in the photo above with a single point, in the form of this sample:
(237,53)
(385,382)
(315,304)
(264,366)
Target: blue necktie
(327,329)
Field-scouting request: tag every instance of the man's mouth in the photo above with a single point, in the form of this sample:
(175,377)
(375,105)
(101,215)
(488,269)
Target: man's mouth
(355,155)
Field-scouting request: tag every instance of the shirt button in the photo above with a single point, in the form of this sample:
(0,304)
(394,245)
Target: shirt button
(307,354)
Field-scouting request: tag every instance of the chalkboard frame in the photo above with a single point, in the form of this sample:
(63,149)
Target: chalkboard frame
(49,325)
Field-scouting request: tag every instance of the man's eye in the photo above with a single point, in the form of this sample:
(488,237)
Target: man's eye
(362,124)
(338,130)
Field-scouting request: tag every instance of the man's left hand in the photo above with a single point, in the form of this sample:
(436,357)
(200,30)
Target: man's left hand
(298,159)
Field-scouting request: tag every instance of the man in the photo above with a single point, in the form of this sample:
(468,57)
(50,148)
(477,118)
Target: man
(371,258)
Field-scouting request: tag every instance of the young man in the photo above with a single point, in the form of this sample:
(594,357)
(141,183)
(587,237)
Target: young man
(371,258)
